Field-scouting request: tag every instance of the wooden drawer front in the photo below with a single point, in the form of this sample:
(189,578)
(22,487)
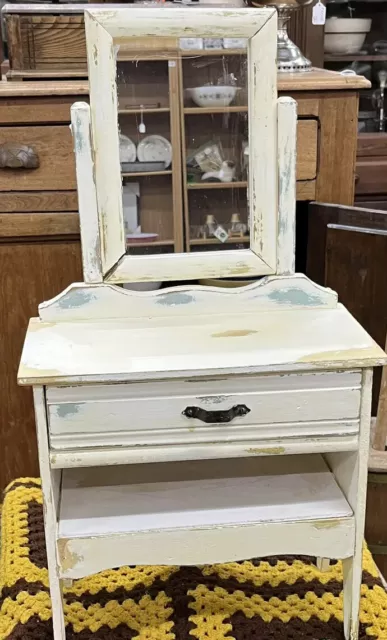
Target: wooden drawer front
(371,176)
(307,135)
(46,41)
(152,413)
(54,148)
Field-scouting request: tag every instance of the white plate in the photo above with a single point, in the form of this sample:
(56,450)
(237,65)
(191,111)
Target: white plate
(155,149)
(127,149)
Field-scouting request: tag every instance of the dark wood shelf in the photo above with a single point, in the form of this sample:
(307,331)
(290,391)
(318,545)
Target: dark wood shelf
(153,243)
(212,110)
(231,240)
(186,53)
(142,174)
(217,185)
(355,57)
(139,111)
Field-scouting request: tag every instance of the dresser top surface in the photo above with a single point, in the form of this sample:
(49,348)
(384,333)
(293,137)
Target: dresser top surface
(159,348)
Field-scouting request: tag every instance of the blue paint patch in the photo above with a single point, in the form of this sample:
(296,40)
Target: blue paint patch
(175,299)
(67,410)
(296,297)
(76,299)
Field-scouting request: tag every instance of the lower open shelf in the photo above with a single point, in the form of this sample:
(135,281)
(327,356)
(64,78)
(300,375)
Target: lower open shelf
(199,512)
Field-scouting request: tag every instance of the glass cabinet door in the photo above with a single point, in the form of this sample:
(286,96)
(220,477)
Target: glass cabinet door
(150,159)
(214,117)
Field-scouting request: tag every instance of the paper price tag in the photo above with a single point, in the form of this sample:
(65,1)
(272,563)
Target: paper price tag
(318,15)
(220,234)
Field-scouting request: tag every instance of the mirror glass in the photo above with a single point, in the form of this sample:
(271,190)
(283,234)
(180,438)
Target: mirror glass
(183,125)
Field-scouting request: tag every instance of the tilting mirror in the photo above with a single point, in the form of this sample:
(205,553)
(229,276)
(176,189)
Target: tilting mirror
(184,139)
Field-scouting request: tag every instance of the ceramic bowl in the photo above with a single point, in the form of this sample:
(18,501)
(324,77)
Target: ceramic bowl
(345,35)
(138,238)
(142,286)
(225,283)
(213,96)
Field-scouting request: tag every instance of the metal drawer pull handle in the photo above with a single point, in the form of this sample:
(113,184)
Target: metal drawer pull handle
(18,156)
(216,416)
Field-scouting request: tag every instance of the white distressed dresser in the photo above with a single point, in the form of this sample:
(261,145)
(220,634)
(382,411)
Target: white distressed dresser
(197,424)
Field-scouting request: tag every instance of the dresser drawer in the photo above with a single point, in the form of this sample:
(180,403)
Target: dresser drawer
(53,147)
(156,413)
(307,144)
(371,176)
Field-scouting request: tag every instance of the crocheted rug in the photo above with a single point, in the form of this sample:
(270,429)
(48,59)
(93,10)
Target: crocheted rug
(284,598)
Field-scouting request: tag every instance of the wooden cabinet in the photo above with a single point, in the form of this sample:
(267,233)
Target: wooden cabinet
(39,251)
(39,256)
(53,148)
(347,251)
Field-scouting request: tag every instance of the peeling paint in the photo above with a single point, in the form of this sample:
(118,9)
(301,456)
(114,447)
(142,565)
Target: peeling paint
(39,325)
(79,142)
(271,451)
(76,299)
(66,410)
(175,299)
(240,269)
(342,356)
(234,333)
(326,524)
(295,296)
(68,559)
(212,399)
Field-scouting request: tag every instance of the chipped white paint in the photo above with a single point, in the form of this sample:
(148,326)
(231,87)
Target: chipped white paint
(350,470)
(193,513)
(80,417)
(204,546)
(231,344)
(153,354)
(323,564)
(51,482)
(256,448)
(287,138)
(180,21)
(238,263)
(87,202)
(104,28)
(105,144)
(249,439)
(83,302)
(263,176)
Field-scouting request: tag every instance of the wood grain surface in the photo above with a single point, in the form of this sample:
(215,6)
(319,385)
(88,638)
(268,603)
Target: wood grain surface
(32,271)
(347,251)
(54,147)
(30,201)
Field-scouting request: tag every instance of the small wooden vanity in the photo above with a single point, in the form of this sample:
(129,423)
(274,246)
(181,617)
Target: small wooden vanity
(194,424)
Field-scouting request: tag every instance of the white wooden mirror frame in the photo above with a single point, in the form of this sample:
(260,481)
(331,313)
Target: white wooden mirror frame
(97,153)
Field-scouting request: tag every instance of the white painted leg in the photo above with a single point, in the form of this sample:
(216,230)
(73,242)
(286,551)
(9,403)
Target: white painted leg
(352,574)
(350,470)
(67,583)
(51,480)
(323,564)
(57,604)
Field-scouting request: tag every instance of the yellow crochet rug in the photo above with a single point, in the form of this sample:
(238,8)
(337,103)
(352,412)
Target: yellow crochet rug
(284,598)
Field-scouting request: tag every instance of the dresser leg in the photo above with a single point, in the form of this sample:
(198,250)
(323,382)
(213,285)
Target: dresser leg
(323,564)
(352,575)
(57,607)
(51,481)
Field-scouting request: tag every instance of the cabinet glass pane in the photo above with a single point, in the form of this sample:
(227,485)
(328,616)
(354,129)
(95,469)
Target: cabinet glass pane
(183,126)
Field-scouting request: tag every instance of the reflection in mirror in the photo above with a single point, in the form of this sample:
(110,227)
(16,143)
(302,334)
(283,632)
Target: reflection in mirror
(183,123)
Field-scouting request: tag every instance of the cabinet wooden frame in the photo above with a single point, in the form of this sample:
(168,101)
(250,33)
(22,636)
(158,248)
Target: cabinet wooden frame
(97,146)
